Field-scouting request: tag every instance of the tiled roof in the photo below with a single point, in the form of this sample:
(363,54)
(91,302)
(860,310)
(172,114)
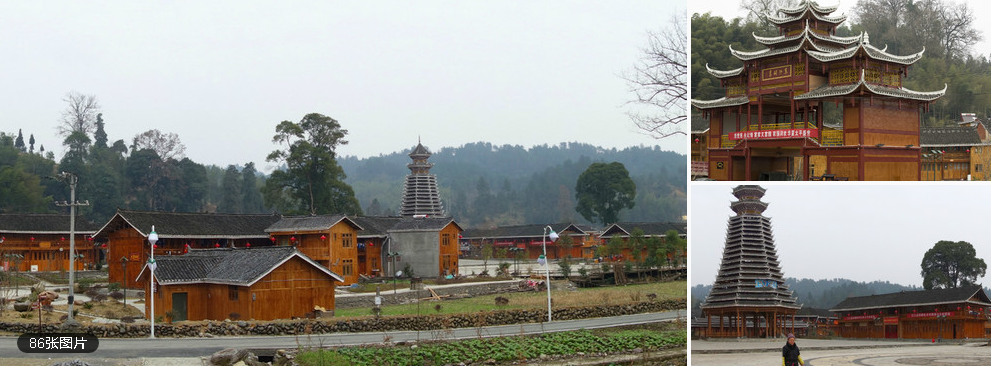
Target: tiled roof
(233,266)
(870,50)
(796,14)
(524,231)
(376,225)
(419,150)
(721,102)
(840,90)
(43,224)
(915,298)
(191,225)
(942,136)
(723,74)
(309,223)
(424,224)
(809,5)
(649,228)
(807,32)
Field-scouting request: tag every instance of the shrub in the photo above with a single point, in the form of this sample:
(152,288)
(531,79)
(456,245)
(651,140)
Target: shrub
(27,315)
(501,301)
(117,295)
(100,298)
(437,308)
(113,287)
(583,272)
(88,305)
(503,269)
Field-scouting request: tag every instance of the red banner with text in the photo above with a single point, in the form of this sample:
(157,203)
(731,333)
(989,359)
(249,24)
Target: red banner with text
(774,134)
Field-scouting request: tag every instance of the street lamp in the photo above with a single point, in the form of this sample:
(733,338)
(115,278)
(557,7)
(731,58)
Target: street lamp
(395,273)
(152,239)
(547,266)
(123,267)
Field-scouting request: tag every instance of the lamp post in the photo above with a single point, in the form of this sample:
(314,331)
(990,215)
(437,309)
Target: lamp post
(547,266)
(123,267)
(395,273)
(152,239)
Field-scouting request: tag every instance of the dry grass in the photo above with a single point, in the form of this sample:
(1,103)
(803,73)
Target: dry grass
(532,300)
(107,309)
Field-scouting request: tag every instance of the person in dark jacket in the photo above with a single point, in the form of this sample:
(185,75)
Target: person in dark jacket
(790,355)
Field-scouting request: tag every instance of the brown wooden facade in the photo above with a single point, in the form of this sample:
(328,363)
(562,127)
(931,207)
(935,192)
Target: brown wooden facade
(289,290)
(770,124)
(449,250)
(41,242)
(334,247)
(581,242)
(932,314)
(126,237)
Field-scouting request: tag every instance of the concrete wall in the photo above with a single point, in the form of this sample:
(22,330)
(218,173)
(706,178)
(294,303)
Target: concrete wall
(419,249)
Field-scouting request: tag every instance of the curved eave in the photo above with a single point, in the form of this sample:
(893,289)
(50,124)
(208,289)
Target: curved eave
(723,74)
(871,51)
(794,18)
(841,90)
(808,32)
(809,5)
(721,102)
(769,52)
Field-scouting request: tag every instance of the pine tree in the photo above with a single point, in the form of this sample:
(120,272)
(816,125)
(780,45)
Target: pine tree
(19,142)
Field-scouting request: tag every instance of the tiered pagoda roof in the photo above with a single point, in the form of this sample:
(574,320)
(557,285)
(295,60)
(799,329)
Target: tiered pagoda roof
(420,193)
(809,30)
(750,274)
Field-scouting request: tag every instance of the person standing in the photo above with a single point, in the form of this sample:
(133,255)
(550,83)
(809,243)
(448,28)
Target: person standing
(790,354)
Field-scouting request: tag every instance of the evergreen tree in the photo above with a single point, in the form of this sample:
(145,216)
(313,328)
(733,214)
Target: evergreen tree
(250,193)
(100,136)
(19,142)
(232,187)
(31,142)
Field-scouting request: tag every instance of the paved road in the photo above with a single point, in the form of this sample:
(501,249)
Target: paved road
(196,347)
(835,353)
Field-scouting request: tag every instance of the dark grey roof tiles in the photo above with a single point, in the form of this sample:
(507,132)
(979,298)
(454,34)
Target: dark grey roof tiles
(43,224)
(235,266)
(523,231)
(194,225)
(914,298)
(649,228)
(308,223)
(938,136)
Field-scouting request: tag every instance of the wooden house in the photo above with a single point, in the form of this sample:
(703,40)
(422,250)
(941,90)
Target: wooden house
(331,240)
(623,230)
(955,153)
(261,283)
(573,240)
(126,235)
(40,242)
(700,151)
(956,313)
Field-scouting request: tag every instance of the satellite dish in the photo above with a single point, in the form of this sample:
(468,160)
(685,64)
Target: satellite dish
(399,273)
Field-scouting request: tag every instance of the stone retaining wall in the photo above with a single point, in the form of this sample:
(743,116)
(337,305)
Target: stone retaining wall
(388,298)
(368,324)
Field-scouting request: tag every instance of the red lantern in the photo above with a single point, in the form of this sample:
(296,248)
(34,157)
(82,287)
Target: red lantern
(323,237)
(696,139)
(155,246)
(90,238)
(273,239)
(292,238)
(248,245)
(32,238)
(216,245)
(371,244)
(104,245)
(63,238)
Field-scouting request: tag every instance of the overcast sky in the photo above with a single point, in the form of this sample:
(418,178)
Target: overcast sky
(862,232)
(222,74)
(729,9)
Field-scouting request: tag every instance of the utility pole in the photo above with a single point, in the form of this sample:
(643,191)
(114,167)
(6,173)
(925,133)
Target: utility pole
(72,180)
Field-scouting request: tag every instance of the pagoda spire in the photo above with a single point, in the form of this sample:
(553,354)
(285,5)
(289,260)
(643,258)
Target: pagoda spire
(420,193)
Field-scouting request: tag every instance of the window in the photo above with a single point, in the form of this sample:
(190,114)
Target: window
(445,239)
(232,292)
(346,266)
(346,240)
(978,167)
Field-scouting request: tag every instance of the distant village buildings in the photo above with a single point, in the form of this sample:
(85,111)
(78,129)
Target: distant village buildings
(956,313)
(40,242)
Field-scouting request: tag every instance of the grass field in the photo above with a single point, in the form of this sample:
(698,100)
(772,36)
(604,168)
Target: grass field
(531,300)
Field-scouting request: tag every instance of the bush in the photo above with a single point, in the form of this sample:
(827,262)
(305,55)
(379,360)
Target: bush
(503,269)
(583,272)
(88,305)
(565,265)
(113,287)
(501,301)
(117,295)
(100,298)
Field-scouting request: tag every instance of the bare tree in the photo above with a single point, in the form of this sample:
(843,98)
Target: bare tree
(660,80)
(79,115)
(166,145)
(959,34)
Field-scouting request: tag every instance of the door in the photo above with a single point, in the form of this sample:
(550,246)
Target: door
(179,306)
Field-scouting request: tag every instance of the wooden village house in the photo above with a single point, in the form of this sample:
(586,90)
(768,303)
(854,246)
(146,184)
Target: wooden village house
(956,313)
(261,283)
(40,242)
(575,241)
(331,240)
(624,230)
(126,235)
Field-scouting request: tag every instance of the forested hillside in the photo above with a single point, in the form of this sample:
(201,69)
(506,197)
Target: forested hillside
(484,185)
(944,28)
